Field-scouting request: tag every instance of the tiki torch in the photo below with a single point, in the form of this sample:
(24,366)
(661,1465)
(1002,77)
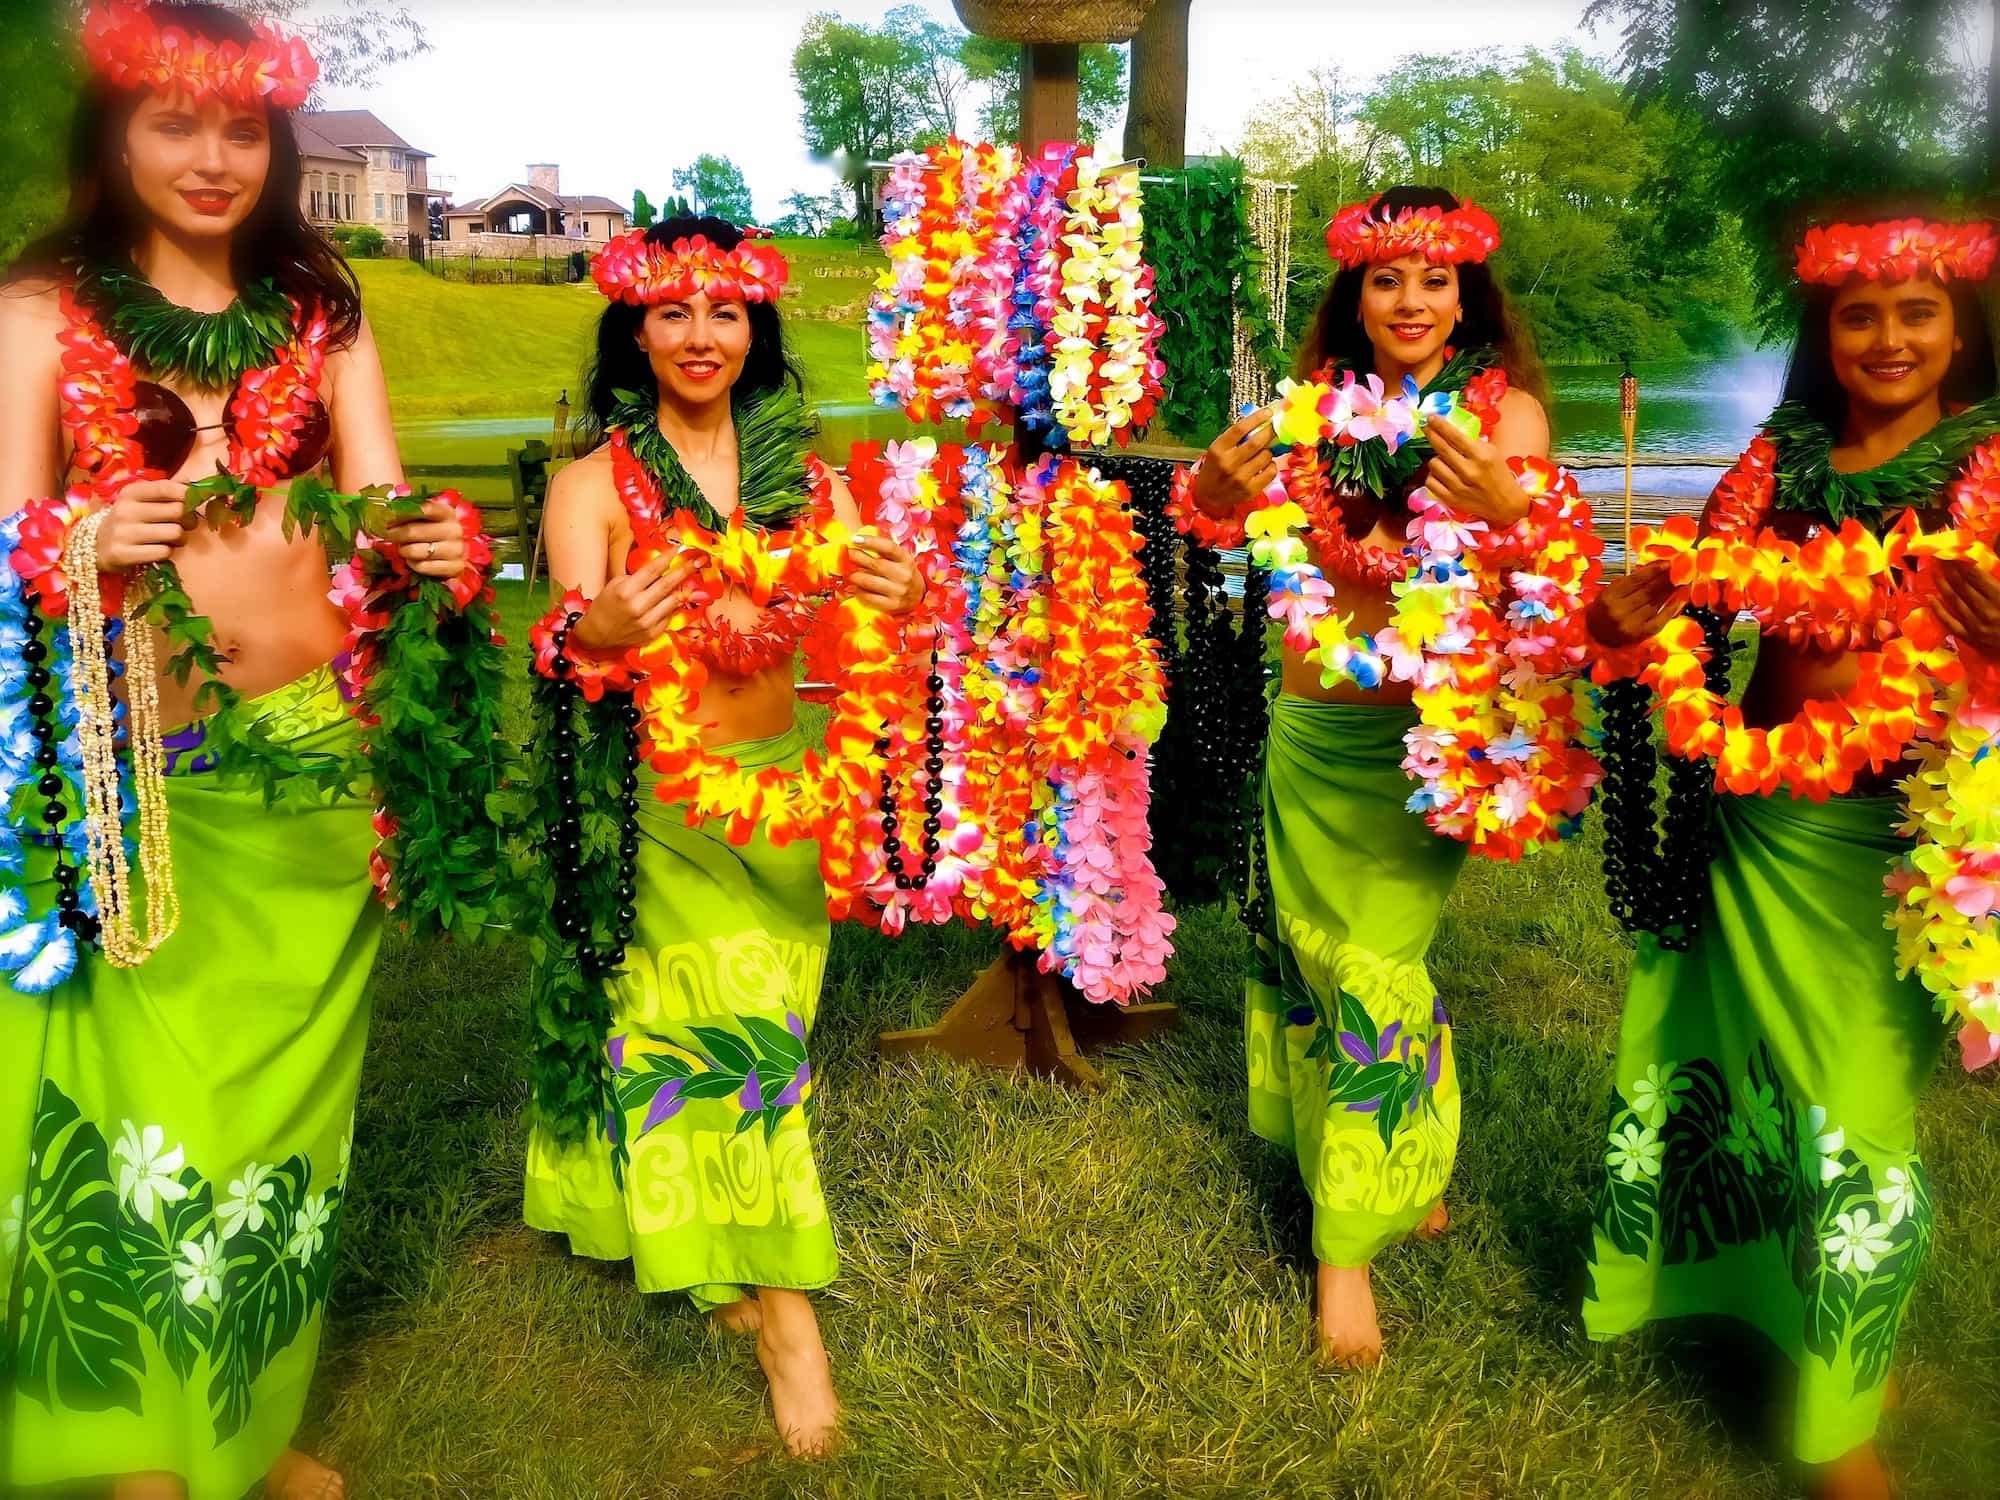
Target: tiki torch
(1628,418)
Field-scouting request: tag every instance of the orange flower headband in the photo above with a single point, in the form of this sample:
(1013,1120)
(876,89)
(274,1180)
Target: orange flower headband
(1358,237)
(1897,250)
(633,269)
(129,47)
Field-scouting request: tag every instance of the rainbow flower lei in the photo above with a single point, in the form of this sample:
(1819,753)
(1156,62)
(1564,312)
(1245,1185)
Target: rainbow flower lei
(1015,282)
(1487,624)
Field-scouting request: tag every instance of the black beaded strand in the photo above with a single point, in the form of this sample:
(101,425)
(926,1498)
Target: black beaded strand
(892,840)
(52,785)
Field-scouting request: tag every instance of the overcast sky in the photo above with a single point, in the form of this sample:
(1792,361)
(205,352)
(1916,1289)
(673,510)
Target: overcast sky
(620,94)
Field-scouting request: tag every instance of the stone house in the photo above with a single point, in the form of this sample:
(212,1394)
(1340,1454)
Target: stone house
(356,170)
(532,218)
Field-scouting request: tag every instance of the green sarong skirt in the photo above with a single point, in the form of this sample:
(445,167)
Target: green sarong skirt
(1349,1049)
(718,1190)
(173,1235)
(1761,1154)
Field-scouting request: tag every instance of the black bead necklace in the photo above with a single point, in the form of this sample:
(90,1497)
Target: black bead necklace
(892,823)
(53,786)
(1655,869)
(572,904)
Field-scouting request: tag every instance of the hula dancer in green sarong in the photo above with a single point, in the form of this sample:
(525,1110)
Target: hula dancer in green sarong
(183,998)
(1350,1055)
(678,972)
(1761,1147)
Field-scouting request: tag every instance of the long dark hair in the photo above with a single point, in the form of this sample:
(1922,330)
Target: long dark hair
(1336,333)
(617,363)
(1809,378)
(104,220)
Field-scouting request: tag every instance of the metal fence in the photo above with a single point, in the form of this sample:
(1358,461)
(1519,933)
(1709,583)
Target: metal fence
(509,270)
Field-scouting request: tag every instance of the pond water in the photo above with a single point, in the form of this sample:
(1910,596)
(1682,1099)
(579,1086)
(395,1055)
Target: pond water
(1702,409)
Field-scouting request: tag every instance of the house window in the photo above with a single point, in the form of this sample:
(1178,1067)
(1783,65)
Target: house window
(350,196)
(586,229)
(395,161)
(380,214)
(401,209)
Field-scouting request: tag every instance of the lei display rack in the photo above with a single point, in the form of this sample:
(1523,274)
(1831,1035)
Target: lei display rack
(1062,338)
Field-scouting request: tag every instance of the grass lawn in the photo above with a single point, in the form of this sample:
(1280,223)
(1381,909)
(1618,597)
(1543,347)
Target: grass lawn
(1056,1294)
(451,349)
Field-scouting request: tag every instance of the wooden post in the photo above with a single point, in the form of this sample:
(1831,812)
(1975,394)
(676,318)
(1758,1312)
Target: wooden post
(1048,93)
(1015,1016)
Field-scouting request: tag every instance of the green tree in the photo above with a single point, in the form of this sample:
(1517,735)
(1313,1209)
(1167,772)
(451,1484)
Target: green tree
(1100,87)
(809,214)
(643,213)
(854,99)
(1601,253)
(39,74)
(933,74)
(1812,101)
(716,186)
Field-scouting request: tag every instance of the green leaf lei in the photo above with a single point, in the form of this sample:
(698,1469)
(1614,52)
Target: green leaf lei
(1807,480)
(774,434)
(1371,466)
(212,350)
(439,763)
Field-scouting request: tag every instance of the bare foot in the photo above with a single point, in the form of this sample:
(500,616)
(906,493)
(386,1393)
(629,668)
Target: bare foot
(1435,1224)
(297,1476)
(148,1487)
(745,1315)
(794,1360)
(1349,1336)
(1856,1475)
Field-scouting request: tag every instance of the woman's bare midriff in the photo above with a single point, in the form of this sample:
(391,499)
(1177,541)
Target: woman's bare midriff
(1787,677)
(266,596)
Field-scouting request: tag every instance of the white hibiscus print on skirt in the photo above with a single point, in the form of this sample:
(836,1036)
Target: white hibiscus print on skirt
(200,1270)
(147,1171)
(1859,1243)
(244,1207)
(309,1229)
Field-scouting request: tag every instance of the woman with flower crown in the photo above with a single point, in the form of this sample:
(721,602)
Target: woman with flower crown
(1761,1156)
(176,1106)
(681,964)
(1349,1049)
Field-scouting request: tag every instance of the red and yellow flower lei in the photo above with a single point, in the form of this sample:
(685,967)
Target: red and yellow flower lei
(132,50)
(1842,590)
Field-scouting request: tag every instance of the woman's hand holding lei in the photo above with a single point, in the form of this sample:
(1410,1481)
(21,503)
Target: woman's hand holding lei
(1470,475)
(433,544)
(146,524)
(882,573)
(635,608)
(1967,603)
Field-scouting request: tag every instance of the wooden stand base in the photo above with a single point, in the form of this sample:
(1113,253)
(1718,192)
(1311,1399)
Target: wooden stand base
(1015,1016)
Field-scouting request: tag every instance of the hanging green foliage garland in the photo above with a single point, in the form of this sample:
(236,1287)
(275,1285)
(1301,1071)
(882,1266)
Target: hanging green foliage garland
(1207,272)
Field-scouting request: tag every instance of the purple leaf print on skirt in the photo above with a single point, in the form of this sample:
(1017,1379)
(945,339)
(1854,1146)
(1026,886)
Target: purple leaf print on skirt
(795,1090)
(753,1093)
(666,1104)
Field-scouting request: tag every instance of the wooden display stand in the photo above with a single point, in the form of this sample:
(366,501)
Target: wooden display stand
(1014,1016)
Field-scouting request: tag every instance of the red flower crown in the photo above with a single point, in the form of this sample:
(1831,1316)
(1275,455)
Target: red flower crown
(1897,250)
(1357,237)
(130,49)
(633,269)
